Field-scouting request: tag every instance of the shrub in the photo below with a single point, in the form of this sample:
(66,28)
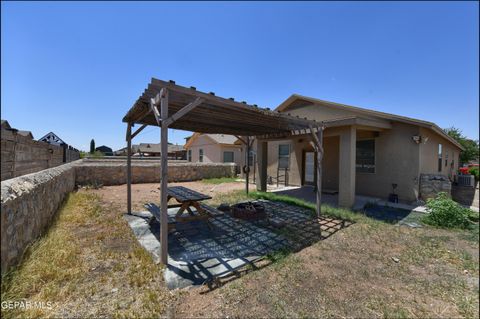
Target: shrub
(444,212)
(475,172)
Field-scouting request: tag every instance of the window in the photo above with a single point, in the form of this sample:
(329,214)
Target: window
(365,156)
(251,158)
(446,158)
(200,155)
(228,157)
(439,157)
(189,155)
(284,156)
(453,159)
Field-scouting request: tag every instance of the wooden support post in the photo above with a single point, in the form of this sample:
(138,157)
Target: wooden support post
(247,170)
(319,151)
(262,163)
(129,168)
(164,178)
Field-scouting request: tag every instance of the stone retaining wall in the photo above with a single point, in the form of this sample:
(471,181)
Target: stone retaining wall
(28,204)
(105,172)
(432,184)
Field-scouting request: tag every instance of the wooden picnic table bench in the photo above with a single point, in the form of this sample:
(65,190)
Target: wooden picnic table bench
(186,199)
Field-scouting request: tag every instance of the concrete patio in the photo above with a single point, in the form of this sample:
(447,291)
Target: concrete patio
(199,254)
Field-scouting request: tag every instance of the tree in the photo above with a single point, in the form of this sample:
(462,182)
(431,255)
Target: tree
(471,147)
(92,146)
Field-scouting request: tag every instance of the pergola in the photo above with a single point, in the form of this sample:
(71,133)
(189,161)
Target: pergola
(168,105)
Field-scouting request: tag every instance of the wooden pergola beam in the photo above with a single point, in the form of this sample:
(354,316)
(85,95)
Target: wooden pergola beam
(183,111)
(138,131)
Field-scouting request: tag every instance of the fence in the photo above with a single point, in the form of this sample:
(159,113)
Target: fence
(21,155)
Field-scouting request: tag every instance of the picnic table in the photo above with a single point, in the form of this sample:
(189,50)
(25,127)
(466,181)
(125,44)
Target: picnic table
(186,199)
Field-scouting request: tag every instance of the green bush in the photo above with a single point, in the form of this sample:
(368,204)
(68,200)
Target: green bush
(475,172)
(444,212)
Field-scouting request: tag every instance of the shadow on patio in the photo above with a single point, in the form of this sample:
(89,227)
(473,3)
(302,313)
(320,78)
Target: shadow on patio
(202,254)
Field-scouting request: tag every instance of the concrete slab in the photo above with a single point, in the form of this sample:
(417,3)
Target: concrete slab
(199,253)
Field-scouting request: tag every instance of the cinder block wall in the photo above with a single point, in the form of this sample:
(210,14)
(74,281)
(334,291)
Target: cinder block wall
(20,155)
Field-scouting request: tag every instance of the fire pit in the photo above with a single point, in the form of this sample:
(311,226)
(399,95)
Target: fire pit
(249,211)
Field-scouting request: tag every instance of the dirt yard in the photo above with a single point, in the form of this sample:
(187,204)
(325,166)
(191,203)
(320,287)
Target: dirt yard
(369,269)
(144,193)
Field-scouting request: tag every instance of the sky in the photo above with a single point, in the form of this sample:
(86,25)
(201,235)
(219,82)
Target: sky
(75,68)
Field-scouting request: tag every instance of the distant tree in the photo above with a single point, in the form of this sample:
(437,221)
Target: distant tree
(92,146)
(471,151)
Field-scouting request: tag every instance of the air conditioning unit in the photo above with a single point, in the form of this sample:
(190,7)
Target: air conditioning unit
(466,180)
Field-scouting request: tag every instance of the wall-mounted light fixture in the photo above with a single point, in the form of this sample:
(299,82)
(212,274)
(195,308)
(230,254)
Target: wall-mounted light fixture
(419,139)
(50,150)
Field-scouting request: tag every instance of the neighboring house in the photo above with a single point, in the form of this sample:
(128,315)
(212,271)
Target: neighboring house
(52,138)
(105,150)
(214,148)
(6,126)
(365,151)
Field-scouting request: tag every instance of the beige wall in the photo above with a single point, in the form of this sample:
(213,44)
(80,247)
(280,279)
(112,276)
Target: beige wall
(396,161)
(213,152)
(429,155)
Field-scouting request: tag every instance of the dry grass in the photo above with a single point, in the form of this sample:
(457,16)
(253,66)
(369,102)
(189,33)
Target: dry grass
(88,264)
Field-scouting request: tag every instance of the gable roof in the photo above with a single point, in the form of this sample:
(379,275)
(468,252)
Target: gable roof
(223,139)
(52,138)
(5,124)
(300,101)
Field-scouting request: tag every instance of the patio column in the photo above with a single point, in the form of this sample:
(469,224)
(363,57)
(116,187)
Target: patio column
(164,177)
(129,168)
(262,164)
(247,172)
(346,192)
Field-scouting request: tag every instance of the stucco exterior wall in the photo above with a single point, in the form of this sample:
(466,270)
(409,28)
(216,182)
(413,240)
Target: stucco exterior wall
(213,152)
(429,155)
(396,161)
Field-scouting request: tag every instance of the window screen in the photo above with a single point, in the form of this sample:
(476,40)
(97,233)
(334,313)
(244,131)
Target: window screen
(365,156)
(439,157)
(284,156)
(228,157)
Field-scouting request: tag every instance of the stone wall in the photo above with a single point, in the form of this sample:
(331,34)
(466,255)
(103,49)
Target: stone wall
(107,172)
(432,184)
(21,155)
(28,204)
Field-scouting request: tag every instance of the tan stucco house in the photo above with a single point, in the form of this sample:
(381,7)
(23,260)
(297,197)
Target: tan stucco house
(365,151)
(213,148)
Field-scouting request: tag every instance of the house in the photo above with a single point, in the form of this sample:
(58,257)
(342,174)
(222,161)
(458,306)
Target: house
(366,152)
(6,126)
(214,148)
(105,150)
(52,138)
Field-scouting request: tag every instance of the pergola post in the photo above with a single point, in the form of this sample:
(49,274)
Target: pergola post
(262,162)
(247,170)
(164,177)
(129,168)
(319,155)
